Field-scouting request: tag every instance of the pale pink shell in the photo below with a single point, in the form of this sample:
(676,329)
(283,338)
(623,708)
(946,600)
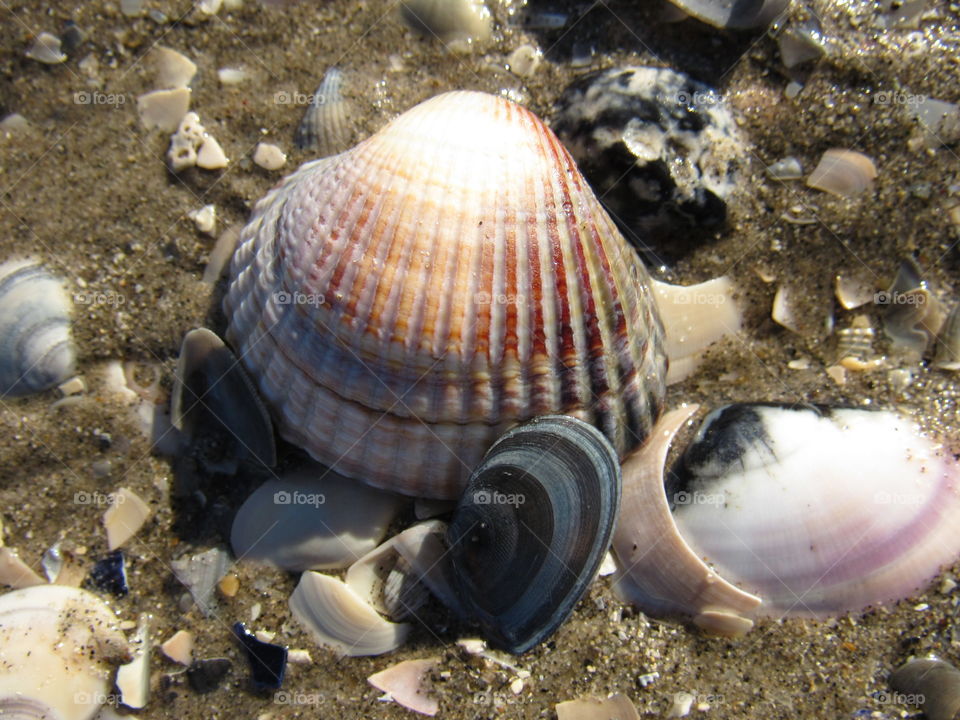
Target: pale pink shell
(401,304)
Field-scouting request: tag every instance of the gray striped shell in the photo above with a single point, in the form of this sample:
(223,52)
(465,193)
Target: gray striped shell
(532,528)
(324,128)
(404,303)
(36,350)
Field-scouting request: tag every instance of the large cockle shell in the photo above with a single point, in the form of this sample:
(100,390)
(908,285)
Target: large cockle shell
(36,350)
(402,304)
(533,527)
(817,511)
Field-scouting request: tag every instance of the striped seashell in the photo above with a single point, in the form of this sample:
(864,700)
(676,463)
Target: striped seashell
(324,128)
(402,304)
(36,350)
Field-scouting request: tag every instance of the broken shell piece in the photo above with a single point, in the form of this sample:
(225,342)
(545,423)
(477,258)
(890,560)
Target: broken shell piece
(133,679)
(232,76)
(935,683)
(856,342)
(221,253)
(404,683)
(338,618)
(179,648)
(845,173)
(269,157)
(782,311)
(802,43)
(733,14)
(616,706)
(818,510)
(211,156)
(268,662)
(422,550)
(216,407)
(913,315)
(46,49)
(184,142)
(661,574)
(164,109)
(15,572)
(948,343)
(200,574)
(694,317)
(312,519)
(174,70)
(124,518)
(205,218)
(59,646)
(938,121)
(852,292)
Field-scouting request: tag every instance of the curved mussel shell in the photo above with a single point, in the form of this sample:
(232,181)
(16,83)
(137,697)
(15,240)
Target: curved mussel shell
(532,528)
(217,408)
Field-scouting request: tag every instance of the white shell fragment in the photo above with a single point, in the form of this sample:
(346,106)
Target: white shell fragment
(204,218)
(46,49)
(59,645)
(133,678)
(938,121)
(419,553)
(36,350)
(782,311)
(661,574)
(174,70)
(845,173)
(450,21)
(524,61)
(818,511)
(312,519)
(339,619)
(124,518)
(404,683)
(211,156)
(163,109)
(179,647)
(694,317)
(269,156)
(852,291)
(616,706)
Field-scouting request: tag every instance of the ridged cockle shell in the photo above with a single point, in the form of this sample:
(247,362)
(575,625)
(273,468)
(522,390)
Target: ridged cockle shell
(403,303)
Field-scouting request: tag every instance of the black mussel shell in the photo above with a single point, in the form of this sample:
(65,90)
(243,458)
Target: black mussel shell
(532,528)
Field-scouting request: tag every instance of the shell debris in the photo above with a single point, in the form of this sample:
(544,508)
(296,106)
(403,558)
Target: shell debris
(457,23)
(124,518)
(179,647)
(46,48)
(133,678)
(164,109)
(617,706)
(269,156)
(845,173)
(406,684)
(173,69)
(325,126)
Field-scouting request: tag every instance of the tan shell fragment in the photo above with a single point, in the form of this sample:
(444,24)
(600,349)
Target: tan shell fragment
(661,574)
(402,304)
(846,173)
(616,706)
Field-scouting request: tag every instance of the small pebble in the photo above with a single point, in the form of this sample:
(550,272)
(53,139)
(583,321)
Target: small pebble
(231,76)
(205,218)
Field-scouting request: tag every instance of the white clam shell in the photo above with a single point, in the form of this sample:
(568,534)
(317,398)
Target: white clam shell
(58,646)
(36,350)
(823,512)
(313,519)
(403,303)
(340,619)
(660,573)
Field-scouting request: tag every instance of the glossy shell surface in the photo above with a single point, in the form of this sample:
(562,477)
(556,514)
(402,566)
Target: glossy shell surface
(402,304)
(533,527)
(36,350)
